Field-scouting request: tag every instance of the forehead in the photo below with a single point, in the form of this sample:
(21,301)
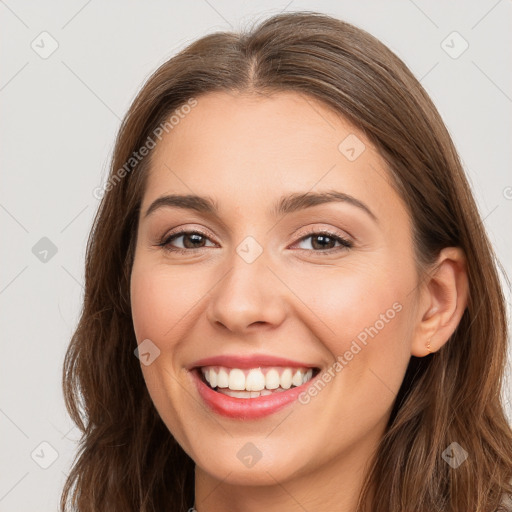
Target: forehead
(249,149)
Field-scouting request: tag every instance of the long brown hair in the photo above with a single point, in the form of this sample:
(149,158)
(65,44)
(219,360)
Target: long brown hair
(127,458)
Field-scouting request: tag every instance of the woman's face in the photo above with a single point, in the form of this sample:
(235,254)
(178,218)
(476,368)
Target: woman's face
(263,280)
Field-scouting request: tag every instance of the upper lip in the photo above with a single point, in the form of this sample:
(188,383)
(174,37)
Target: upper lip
(248,361)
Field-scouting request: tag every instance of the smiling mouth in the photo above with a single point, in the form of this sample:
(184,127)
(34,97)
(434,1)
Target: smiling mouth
(254,382)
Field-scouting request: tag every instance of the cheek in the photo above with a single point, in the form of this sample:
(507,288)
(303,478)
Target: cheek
(147,301)
(364,320)
(349,300)
(158,304)
(160,298)
(364,324)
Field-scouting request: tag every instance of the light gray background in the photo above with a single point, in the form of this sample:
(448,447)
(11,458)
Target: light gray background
(60,116)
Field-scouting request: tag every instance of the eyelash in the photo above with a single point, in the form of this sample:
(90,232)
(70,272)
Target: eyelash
(345,244)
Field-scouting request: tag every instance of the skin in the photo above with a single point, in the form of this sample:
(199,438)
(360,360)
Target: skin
(245,152)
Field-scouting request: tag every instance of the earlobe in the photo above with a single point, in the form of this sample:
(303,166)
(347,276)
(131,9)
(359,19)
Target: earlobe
(444,298)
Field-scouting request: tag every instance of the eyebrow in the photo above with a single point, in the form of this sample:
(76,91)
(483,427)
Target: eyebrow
(285,205)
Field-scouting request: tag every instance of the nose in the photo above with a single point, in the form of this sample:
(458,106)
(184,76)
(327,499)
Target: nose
(248,297)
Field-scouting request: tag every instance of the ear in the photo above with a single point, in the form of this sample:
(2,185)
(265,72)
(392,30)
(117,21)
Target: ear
(442,300)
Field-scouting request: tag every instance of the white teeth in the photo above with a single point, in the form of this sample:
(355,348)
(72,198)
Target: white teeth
(272,379)
(236,379)
(222,378)
(237,394)
(286,379)
(213,378)
(248,394)
(297,378)
(255,381)
(307,376)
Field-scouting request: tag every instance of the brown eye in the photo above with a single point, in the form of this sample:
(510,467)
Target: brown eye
(326,242)
(193,240)
(190,239)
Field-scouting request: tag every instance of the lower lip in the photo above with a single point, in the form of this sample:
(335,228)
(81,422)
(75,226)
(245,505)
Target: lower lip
(246,408)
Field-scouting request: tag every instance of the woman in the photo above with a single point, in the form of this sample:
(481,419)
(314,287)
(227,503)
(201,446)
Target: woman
(288,244)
